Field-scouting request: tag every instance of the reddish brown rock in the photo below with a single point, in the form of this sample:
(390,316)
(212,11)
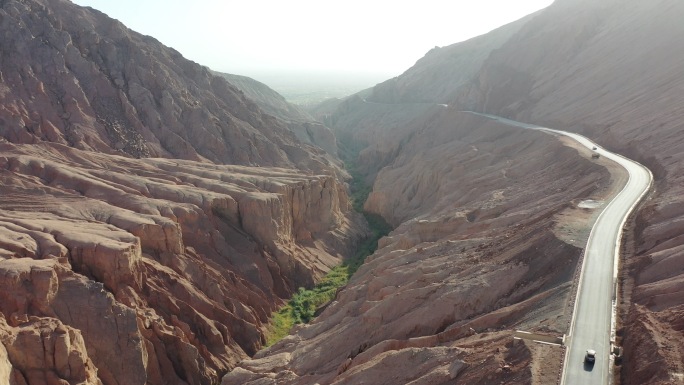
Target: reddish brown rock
(73,76)
(604,69)
(44,351)
(169,269)
(205,252)
(299,121)
(168,266)
(473,257)
(610,72)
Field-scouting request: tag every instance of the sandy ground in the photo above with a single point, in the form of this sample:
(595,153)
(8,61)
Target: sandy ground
(546,362)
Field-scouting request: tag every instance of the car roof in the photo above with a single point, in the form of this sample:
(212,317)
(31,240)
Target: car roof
(591,352)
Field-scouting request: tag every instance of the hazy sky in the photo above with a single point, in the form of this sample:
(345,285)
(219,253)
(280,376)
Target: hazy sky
(371,36)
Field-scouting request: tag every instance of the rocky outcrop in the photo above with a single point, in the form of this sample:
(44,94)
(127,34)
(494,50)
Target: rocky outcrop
(643,343)
(105,332)
(168,269)
(43,351)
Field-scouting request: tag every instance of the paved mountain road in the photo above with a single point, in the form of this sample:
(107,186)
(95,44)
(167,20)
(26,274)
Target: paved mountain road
(591,326)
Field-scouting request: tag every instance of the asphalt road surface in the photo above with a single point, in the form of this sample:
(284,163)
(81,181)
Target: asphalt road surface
(591,326)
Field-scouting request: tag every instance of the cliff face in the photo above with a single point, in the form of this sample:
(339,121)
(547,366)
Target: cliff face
(44,351)
(168,269)
(130,251)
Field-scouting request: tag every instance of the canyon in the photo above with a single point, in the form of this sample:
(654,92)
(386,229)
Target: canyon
(155,213)
(439,299)
(168,269)
(152,216)
(607,70)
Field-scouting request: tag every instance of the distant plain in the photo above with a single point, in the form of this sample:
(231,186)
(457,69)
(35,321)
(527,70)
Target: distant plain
(308,88)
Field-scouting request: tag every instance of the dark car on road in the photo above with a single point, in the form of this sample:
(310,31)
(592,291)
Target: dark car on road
(590,357)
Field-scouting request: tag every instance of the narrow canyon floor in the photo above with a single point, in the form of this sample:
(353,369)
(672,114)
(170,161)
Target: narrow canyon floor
(487,241)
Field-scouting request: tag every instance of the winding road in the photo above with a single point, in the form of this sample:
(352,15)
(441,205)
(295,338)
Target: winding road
(592,325)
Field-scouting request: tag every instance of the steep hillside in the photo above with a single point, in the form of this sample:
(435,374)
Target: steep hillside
(370,130)
(73,76)
(298,121)
(152,216)
(612,70)
(437,76)
(375,121)
(268,99)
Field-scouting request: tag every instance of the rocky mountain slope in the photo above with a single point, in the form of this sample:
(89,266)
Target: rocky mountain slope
(610,70)
(93,84)
(373,122)
(613,71)
(299,121)
(476,254)
(437,76)
(167,269)
(152,216)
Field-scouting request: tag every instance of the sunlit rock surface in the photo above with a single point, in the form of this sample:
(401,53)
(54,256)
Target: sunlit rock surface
(167,268)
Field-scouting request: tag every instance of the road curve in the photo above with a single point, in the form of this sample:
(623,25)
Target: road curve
(592,325)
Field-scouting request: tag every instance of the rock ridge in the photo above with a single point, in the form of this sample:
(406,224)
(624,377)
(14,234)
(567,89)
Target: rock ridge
(95,85)
(168,269)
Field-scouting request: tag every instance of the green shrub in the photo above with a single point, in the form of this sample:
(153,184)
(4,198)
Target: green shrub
(280,325)
(303,305)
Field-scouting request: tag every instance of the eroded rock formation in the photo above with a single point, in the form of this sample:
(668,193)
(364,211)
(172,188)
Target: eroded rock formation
(39,350)
(168,268)
(474,256)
